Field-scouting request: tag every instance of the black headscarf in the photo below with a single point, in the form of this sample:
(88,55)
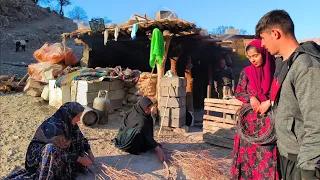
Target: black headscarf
(59,124)
(135,122)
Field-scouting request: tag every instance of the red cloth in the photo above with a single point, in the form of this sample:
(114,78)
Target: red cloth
(261,77)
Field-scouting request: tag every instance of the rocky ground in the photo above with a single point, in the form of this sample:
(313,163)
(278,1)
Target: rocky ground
(20,116)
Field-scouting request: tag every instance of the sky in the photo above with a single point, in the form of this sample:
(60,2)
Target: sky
(210,14)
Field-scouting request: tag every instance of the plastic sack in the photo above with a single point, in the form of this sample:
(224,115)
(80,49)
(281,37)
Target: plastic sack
(55,54)
(44,71)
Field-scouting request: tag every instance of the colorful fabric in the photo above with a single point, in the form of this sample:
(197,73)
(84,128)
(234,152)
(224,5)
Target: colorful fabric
(255,155)
(135,28)
(126,75)
(261,77)
(157,48)
(53,151)
(66,79)
(89,74)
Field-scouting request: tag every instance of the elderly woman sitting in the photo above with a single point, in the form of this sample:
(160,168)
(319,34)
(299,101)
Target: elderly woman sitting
(136,132)
(58,148)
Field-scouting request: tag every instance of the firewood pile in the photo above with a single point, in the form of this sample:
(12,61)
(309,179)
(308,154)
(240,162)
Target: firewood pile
(10,84)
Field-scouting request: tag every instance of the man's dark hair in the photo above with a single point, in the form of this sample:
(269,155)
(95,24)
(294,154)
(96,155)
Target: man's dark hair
(274,18)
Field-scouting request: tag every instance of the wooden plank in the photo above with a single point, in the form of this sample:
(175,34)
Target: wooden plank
(218,141)
(231,107)
(229,111)
(222,101)
(225,133)
(212,125)
(219,119)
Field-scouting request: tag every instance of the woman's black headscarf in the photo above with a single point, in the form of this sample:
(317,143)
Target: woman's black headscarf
(135,122)
(59,124)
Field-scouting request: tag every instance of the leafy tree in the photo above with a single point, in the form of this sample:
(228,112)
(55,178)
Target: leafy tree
(78,13)
(222,30)
(106,20)
(63,3)
(243,32)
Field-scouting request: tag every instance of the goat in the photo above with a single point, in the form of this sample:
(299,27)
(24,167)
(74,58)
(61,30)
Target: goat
(21,43)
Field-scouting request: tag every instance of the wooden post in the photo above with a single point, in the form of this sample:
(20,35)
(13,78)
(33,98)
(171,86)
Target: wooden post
(189,90)
(210,82)
(174,57)
(160,69)
(173,64)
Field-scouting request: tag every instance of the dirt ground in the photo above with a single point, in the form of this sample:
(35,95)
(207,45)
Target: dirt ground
(20,116)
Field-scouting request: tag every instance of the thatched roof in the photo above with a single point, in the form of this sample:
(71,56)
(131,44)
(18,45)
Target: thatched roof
(176,26)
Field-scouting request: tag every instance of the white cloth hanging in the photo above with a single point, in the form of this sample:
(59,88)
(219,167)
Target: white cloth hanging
(116,33)
(106,35)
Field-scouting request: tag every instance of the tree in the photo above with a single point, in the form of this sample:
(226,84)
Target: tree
(78,13)
(222,30)
(63,3)
(106,20)
(243,32)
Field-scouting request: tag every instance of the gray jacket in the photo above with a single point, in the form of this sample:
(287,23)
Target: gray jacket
(297,111)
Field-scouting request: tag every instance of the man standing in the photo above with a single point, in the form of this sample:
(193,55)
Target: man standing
(224,80)
(295,96)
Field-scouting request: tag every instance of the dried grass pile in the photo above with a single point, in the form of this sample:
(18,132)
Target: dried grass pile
(114,174)
(198,164)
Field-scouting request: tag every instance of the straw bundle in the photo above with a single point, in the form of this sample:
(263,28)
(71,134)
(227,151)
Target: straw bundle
(198,164)
(115,174)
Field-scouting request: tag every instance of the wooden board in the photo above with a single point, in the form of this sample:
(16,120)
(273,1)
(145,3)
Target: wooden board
(212,125)
(222,101)
(218,119)
(218,140)
(224,106)
(229,111)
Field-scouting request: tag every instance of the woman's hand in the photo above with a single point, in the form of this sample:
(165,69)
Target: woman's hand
(255,103)
(85,161)
(91,156)
(264,107)
(61,142)
(160,154)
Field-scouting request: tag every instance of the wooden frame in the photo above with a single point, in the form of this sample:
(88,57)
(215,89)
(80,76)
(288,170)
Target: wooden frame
(219,130)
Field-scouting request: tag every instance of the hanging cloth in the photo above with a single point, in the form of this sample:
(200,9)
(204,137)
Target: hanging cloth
(157,48)
(116,33)
(106,35)
(134,31)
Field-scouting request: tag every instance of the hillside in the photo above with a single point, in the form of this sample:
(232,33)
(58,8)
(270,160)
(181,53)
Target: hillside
(22,19)
(316,40)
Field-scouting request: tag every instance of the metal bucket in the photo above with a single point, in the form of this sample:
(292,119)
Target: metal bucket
(89,117)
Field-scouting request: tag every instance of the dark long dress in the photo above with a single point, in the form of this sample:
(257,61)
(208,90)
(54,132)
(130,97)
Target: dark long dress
(136,132)
(45,158)
(252,161)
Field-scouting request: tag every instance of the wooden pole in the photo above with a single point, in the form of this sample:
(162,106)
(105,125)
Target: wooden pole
(210,82)
(160,69)
(173,64)
(189,90)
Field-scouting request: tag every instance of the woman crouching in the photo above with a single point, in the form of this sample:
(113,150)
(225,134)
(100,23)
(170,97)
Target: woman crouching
(58,148)
(136,132)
